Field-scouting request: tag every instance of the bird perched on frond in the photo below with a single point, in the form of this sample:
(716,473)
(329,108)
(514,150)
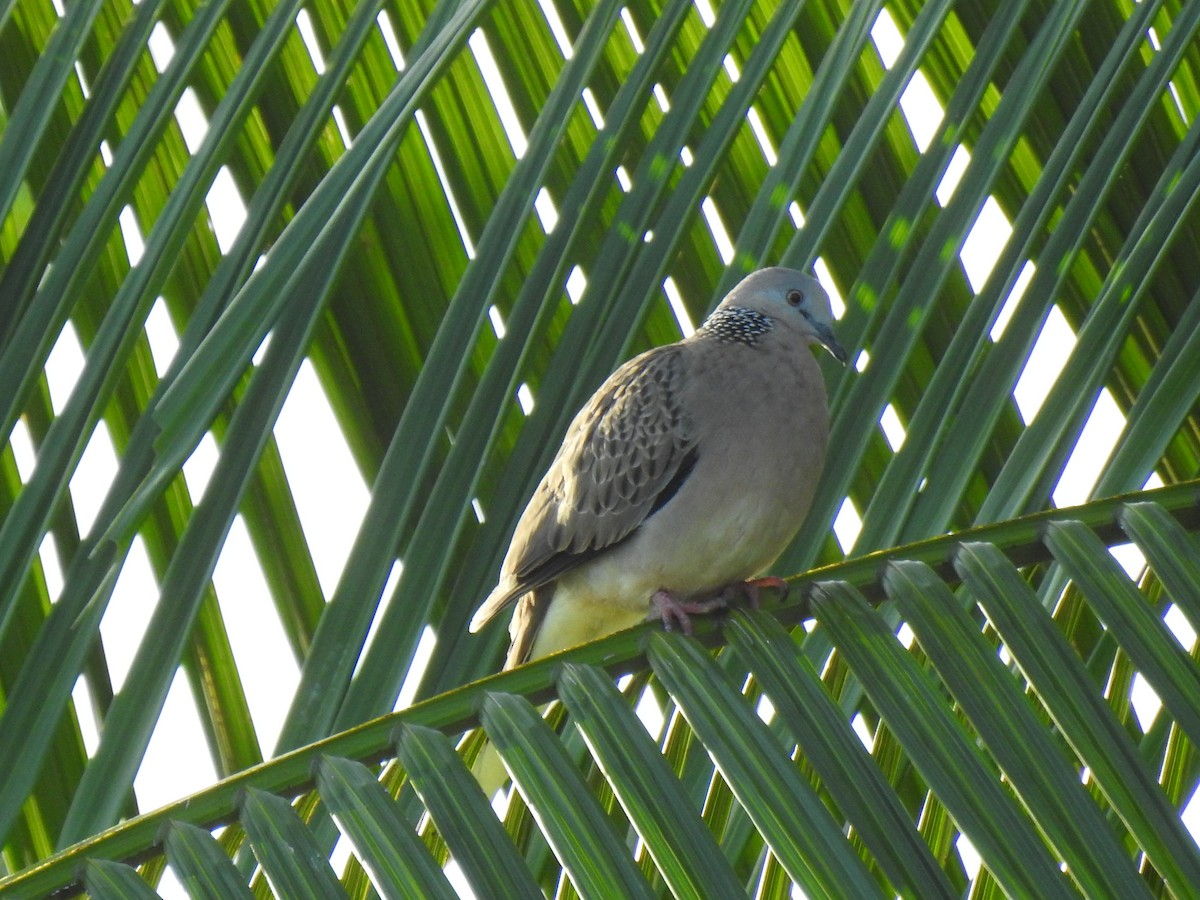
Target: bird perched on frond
(687,473)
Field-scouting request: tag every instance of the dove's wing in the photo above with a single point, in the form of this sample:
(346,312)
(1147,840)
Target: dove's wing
(627,452)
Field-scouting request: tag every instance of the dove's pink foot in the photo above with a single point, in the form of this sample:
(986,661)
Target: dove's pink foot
(750,589)
(676,613)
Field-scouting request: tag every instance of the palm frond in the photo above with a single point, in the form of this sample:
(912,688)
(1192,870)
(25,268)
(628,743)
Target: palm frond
(436,259)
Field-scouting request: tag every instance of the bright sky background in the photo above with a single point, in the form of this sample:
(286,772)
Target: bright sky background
(332,496)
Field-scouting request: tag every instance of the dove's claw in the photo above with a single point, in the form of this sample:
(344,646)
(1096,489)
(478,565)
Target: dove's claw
(675,613)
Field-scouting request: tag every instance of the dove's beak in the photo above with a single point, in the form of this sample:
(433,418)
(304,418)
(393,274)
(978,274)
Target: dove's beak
(825,336)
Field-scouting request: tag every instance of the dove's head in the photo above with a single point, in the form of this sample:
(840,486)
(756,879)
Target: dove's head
(775,298)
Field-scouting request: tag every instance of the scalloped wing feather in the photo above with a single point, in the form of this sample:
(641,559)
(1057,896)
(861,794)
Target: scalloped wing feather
(627,451)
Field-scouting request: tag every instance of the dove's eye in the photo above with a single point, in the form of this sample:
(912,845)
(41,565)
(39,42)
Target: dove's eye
(795,298)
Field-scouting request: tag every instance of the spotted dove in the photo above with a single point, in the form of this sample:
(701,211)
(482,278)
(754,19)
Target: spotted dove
(687,473)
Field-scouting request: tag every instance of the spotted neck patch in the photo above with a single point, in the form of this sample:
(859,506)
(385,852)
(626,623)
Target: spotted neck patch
(737,324)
